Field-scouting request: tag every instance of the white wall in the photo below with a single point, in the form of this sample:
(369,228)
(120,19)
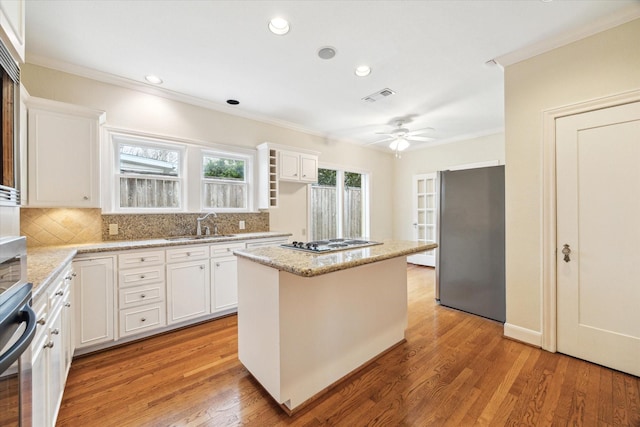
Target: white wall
(604,64)
(432,159)
(134,110)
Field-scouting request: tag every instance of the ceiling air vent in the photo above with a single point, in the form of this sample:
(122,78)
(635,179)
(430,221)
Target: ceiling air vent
(379,94)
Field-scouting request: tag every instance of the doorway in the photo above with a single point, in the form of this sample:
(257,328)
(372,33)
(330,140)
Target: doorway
(597,192)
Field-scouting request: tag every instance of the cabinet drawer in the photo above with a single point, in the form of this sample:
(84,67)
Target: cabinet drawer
(141,276)
(138,319)
(140,295)
(39,306)
(140,259)
(225,249)
(187,253)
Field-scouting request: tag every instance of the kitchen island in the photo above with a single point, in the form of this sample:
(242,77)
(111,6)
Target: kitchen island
(307,320)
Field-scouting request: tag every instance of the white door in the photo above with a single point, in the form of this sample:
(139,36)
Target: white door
(598,219)
(425,200)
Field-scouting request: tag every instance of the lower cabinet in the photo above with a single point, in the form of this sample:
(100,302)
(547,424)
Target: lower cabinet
(188,290)
(51,350)
(94,301)
(225,283)
(224,276)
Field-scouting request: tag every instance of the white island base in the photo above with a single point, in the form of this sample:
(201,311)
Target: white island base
(299,335)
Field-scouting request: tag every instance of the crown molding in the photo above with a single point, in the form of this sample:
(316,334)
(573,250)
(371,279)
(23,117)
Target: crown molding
(108,78)
(623,16)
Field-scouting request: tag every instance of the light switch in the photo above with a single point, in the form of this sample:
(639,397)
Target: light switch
(241,225)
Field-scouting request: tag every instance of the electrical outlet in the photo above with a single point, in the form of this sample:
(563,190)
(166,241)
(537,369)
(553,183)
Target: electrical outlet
(113,229)
(241,225)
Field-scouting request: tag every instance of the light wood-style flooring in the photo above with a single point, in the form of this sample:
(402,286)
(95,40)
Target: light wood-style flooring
(455,369)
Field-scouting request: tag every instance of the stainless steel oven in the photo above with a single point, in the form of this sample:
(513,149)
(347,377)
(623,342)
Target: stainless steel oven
(17,329)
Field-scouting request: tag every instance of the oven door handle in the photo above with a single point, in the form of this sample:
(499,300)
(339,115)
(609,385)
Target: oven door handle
(13,353)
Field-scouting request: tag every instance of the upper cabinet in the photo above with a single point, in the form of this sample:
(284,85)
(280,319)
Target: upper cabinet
(295,166)
(12,27)
(281,163)
(63,154)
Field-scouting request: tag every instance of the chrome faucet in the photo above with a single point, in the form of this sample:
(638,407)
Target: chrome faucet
(199,220)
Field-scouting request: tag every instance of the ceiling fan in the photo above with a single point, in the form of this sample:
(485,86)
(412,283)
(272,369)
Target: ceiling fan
(401,137)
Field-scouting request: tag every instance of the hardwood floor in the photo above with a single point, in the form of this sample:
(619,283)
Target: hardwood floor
(455,369)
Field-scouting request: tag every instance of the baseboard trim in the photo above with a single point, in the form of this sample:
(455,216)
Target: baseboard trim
(524,335)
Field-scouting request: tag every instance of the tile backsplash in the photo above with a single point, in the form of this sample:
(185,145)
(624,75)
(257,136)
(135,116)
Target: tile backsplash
(65,226)
(56,226)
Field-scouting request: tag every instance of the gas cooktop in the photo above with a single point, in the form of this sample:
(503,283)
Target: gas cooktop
(330,245)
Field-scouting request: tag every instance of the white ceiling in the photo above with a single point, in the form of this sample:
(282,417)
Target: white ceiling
(431,53)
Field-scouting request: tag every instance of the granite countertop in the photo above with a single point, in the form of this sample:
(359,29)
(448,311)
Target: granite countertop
(308,264)
(45,263)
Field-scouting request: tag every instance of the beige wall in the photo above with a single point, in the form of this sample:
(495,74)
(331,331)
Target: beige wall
(134,110)
(433,159)
(604,64)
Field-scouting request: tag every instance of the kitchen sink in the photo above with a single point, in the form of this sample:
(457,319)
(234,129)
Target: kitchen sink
(205,237)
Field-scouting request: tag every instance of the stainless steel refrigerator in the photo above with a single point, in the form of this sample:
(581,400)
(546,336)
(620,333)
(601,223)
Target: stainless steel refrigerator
(470,268)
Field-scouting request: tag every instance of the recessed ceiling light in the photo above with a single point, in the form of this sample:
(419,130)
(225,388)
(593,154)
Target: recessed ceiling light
(233,102)
(327,52)
(363,71)
(279,26)
(153,79)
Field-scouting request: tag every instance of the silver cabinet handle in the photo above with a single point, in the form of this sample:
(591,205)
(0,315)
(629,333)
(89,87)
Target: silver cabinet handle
(74,274)
(141,259)
(143,295)
(202,267)
(48,345)
(85,198)
(566,250)
(68,277)
(142,276)
(68,304)
(144,319)
(55,332)
(188,253)
(217,264)
(59,293)
(42,321)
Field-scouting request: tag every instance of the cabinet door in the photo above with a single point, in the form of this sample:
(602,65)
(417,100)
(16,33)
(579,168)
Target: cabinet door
(289,165)
(39,373)
(56,372)
(68,341)
(188,290)
(94,296)
(225,283)
(309,166)
(63,158)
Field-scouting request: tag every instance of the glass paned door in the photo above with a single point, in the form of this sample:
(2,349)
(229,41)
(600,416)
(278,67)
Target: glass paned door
(425,201)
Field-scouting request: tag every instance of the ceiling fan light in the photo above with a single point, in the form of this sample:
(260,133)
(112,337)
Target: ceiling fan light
(402,145)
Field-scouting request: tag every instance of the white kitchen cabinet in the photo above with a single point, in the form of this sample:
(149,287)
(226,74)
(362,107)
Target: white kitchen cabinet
(295,166)
(50,350)
(224,276)
(188,290)
(188,283)
(141,292)
(63,154)
(93,291)
(12,27)
(283,163)
(225,283)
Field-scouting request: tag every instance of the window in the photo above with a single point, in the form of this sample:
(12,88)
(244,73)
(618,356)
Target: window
(224,181)
(149,175)
(339,205)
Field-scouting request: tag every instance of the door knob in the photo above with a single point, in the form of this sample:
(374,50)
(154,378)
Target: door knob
(566,251)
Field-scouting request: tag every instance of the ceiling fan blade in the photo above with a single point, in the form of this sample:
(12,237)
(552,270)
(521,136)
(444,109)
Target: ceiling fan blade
(381,141)
(420,131)
(420,138)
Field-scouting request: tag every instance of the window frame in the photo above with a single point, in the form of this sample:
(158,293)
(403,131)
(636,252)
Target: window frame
(248,178)
(366,199)
(190,171)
